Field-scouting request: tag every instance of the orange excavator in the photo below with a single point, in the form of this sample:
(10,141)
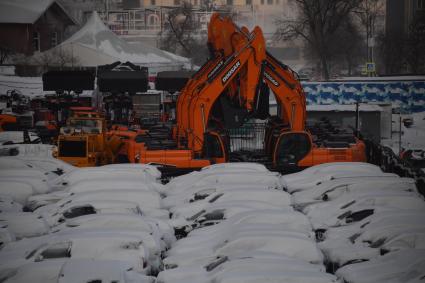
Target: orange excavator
(237,75)
(286,138)
(7,122)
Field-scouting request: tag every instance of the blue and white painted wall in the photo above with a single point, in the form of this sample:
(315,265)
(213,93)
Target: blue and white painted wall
(409,95)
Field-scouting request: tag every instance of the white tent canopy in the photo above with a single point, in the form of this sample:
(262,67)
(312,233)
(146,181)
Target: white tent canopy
(94,44)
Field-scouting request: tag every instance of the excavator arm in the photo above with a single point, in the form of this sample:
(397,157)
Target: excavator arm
(288,92)
(243,66)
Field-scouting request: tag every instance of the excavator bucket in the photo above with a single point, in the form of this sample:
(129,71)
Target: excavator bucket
(60,81)
(172,81)
(119,78)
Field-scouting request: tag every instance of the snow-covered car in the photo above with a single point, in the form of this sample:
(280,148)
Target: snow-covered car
(329,168)
(199,179)
(146,200)
(16,137)
(330,190)
(258,267)
(91,185)
(380,233)
(200,249)
(78,271)
(24,224)
(356,207)
(109,246)
(149,169)
(5,236)
(17,191)
(106,173)
(312,181)
(216,213)
(402,266)
(201,200)
(39,185)
(8,204)
(95,207)
(210,192)
(237,167)
(28,160)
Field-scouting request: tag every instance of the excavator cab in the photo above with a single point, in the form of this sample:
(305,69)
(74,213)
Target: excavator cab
(290,148)
(216,147)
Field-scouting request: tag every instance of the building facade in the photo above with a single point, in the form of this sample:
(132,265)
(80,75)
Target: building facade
(35,30)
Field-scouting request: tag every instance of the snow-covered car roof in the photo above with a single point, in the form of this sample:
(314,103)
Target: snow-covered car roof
(121,247)
(400,266)
(17,191)
(39,186)
(236,166)
(145,199)
(7,204)
(24,224)
(331,167)
(78,271)
(334,188)
(353,208)
(271,179)
(12,137)
(273,197)
(290,244)
(114,184)
(310,182)
(78,209)
(108,173)
(192,193)
(237,268)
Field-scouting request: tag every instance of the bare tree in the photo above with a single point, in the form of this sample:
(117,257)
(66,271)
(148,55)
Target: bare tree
(348,44)
(317,23)
(182,34)
(57,57)
(368,12)
(415,44)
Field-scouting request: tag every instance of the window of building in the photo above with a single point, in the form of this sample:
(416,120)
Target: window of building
(229,2)
(54,39)
(153,2)
(277,1)
(262,2)
(195,2)
(248,2)
(36,41)
(421,4)
(176,2)
(270,2)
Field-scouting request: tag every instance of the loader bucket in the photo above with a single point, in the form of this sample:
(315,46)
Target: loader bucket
(172,81)
(123,81)
(68,81)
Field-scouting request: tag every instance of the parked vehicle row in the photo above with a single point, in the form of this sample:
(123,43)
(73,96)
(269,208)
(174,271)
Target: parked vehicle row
(369,224)
(236,224)
(82,225)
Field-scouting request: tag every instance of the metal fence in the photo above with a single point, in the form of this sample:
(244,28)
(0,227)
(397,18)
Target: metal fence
(389,162)
(249,137)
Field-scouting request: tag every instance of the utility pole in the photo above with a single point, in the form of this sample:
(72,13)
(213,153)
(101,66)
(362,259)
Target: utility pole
(357,118)
(399,135)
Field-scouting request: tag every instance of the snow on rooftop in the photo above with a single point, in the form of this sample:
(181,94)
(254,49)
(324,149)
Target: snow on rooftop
(95,36)
(22,11)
